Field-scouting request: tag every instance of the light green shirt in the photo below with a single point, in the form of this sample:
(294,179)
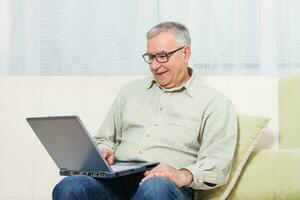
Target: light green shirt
(192,127)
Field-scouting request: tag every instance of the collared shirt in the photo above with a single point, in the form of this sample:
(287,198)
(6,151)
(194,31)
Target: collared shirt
(191,126)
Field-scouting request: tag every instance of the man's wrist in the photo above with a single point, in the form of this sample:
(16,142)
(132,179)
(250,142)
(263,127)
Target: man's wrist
(188,176)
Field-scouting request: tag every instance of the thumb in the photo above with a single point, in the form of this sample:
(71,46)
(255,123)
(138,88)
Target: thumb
(111,159)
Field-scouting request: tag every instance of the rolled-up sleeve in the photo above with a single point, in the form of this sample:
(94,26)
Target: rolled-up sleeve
(110,131)
(217,145)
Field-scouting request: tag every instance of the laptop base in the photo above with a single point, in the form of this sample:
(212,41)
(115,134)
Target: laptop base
(104,174)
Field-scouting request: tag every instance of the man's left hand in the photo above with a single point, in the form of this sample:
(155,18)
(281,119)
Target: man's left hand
(180,178)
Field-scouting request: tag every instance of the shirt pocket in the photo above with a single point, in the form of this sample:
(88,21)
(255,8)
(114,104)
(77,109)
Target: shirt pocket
(183,132)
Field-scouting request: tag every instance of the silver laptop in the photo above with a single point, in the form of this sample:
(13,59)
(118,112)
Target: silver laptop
(75,152)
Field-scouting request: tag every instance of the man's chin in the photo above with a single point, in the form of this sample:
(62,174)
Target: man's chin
(163,84)
(162,81)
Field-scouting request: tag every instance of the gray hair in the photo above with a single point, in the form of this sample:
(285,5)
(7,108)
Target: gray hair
(181,32)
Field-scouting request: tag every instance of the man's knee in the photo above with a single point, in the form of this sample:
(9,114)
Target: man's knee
(157,188)
(73,187)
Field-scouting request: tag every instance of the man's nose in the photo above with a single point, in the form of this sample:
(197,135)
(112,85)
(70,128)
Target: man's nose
(154,65)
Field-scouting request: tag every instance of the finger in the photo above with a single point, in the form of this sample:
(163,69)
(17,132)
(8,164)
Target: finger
(146,173)
(111,160)
(158,169)
(156,174)
(155,169)
(104,153)
(145,178)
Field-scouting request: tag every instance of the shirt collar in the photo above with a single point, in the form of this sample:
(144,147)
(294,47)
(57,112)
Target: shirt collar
(151,83)
(189,85)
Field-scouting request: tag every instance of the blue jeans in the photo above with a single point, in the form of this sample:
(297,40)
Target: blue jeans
(122,188)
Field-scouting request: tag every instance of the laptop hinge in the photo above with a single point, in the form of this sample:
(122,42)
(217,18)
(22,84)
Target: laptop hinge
(68,172)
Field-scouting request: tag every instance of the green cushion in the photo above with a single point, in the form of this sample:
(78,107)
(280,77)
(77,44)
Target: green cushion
(269,175)
(289,112)
(250,129)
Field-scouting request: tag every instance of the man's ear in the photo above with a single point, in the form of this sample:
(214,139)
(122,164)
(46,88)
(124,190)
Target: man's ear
(187,53)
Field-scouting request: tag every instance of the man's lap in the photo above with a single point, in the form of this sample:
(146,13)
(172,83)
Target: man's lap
(126,187)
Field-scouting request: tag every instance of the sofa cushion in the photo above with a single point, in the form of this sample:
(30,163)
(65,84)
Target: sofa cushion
(269,174)
(250,128)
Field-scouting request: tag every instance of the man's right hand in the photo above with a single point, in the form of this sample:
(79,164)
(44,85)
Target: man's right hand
(110,159)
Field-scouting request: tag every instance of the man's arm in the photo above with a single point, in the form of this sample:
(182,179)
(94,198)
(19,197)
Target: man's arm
(217,146)
(108,136)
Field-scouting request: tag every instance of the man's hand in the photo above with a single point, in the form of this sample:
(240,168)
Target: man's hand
(110,159)
(180,178)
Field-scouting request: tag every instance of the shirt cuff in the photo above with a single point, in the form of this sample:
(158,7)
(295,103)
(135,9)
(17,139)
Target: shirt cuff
(201,175)
(111,148)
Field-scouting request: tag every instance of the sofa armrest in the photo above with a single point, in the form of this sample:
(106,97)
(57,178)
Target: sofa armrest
(269,175)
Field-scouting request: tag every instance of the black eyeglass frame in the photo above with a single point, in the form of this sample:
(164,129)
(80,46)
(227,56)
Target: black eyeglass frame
(166,54)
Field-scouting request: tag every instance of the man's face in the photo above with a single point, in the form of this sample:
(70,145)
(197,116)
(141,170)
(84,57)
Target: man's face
(174,72)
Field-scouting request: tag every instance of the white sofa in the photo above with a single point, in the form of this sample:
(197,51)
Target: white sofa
(26,169)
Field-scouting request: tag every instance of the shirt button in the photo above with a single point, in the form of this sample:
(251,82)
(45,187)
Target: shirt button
(140,151)
(148,134)
(155,124)
(161,108)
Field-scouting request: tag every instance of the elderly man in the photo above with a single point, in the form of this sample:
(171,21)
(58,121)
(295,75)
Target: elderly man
(171,118)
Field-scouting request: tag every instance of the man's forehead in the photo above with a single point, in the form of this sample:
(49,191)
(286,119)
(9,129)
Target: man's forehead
(161,42)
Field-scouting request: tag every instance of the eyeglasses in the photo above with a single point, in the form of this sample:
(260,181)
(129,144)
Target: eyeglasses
(161,57)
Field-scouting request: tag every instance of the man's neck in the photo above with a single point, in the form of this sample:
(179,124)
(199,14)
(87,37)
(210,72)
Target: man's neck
(186,76)
(183,79)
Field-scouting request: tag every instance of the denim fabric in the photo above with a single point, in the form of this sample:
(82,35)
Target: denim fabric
(122,188)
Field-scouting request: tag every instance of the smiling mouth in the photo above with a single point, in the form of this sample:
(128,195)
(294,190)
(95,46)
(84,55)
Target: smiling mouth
(161,73)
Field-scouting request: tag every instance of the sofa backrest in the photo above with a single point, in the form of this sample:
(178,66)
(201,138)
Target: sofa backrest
(90,97)
(289,112)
